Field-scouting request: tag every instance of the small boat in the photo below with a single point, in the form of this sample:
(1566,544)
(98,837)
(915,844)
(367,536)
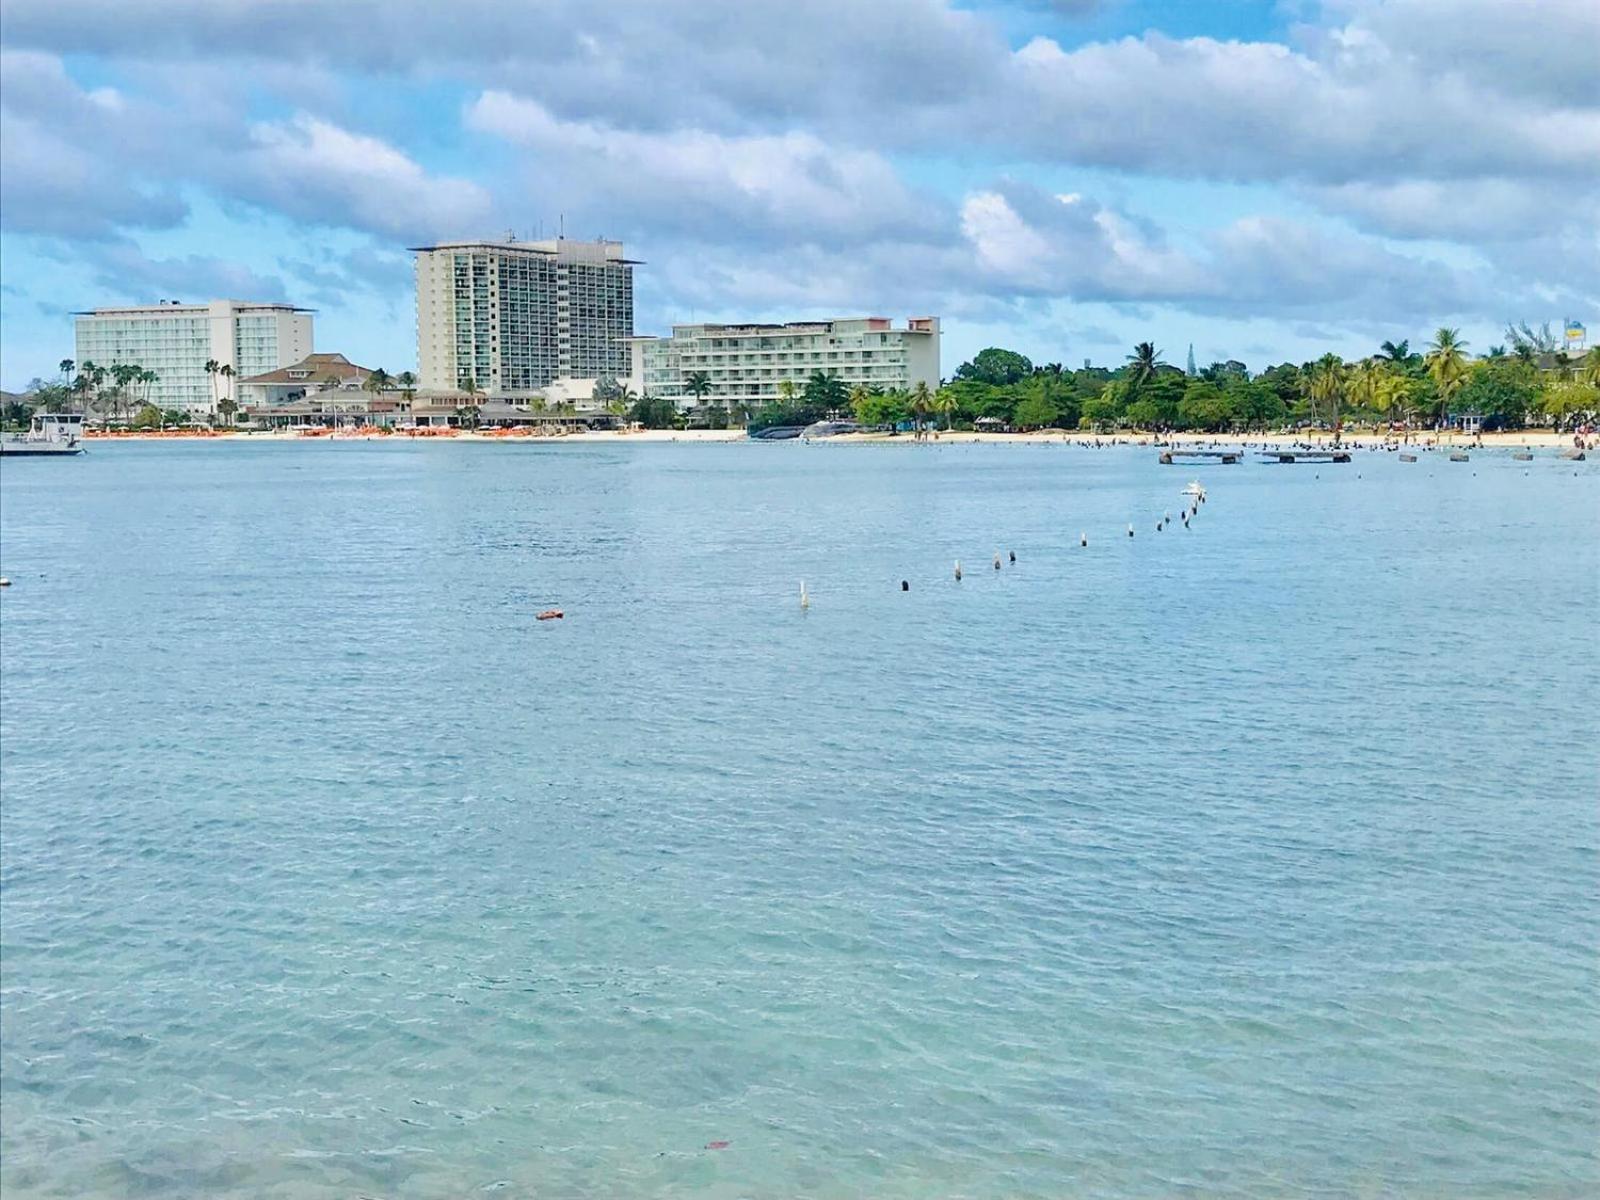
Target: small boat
(551,614)
(48,434)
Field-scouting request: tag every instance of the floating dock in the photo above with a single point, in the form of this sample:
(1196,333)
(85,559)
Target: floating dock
(1168,457)
(1305,456)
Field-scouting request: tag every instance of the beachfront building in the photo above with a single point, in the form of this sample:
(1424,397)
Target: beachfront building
(176,341)
(512,317)
(313,373)
(749,363)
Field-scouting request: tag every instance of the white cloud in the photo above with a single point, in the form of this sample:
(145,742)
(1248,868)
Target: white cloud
(318,172)
(781,184)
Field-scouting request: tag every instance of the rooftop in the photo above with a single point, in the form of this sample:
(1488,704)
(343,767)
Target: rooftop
(313,368)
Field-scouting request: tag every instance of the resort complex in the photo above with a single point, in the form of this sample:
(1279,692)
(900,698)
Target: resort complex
(750,364)
(194,350)
(508,318)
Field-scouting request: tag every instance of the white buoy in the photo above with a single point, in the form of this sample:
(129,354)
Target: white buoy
(958,570)
(805,600)
(997,560)
(1130,528)
(4,582)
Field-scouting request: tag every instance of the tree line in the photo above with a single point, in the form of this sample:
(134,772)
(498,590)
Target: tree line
(1527,380)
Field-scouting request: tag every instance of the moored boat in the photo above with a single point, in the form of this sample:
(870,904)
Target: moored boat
(48,434)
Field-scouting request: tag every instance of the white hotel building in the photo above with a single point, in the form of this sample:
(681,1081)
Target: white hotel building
(748,363)
(177,340)
(513,317)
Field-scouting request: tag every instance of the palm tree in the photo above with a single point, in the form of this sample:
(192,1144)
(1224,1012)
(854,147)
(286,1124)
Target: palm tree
(860,396)
(921,405)
(408,385)
(1327,388)
(1365,382)
(226,373)
(698,383)
(945,403)
(1590,369)
(469,385)
(227,407)
(1447,366)
(66,365)
(1143,363)
(147,380)
(212,366)
(1397,352)
(375,382)
(124,374)
(787,391)
(1393,392)
(739,413)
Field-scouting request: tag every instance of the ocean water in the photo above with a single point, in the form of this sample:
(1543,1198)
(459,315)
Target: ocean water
(1256,859)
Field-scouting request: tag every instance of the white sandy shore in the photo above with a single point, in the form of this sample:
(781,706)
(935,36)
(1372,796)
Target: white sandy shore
(1531,438)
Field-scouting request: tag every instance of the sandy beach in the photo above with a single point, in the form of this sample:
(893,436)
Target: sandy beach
(1519,439)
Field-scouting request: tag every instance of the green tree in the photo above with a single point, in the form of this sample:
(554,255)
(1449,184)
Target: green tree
(376,381)
(1102,410)
(66,366)
(698,383)
(1589,372)
(1447,366)
(1035,411)
(148,417)
(408,386)
(1205,406)
(212,367)
(227,407)
(1142,364)
(996,366)
(826,391)
(1327,390)
(1566,402)
(944,403)
(921,404)
(1502,390)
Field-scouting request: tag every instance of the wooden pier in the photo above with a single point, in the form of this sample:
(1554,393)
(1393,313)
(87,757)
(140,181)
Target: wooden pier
(1305,456)
(1168,457)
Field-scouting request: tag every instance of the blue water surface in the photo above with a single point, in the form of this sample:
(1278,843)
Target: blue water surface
(1253,859)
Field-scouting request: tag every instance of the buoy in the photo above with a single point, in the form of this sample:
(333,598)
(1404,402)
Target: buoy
(805,600)
(958,570)
(905,585)
(1083,539)
(1130,529)
(551,614)
(997,560)
(1013,554)
(4,582)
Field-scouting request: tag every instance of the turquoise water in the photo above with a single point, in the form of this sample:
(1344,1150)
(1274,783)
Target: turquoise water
(1257,859)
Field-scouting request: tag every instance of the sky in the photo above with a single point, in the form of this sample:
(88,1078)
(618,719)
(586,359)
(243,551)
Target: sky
(1266,180)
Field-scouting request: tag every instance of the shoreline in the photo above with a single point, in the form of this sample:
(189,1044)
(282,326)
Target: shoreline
(1520,439)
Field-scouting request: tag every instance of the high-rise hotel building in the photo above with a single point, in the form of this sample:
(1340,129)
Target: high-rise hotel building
(177,340)
(515,316)
(749,363)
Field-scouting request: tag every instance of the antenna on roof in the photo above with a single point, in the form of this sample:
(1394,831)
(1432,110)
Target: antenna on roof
(511,236)
(562,229)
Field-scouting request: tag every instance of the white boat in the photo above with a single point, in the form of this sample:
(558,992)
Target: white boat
(1195,489)
(48,433)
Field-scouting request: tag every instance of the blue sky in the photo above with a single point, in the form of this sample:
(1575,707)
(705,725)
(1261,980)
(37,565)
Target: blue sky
(1266,180)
